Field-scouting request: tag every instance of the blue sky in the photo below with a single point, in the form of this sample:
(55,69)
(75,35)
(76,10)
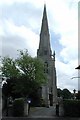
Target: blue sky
(20,26)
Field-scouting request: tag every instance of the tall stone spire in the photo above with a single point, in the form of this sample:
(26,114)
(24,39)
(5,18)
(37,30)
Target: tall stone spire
(49,90)
(44,45)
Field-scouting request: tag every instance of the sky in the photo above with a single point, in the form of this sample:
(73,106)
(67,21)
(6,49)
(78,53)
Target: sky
(20,25)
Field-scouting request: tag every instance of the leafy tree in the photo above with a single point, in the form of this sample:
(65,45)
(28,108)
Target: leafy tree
(8,68)
(32,68)
(40,77)
(25,74)
(78,95)
(59,92)
(8,88)
(66,94)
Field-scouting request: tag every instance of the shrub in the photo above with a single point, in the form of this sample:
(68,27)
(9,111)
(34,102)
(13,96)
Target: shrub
(18,107)
(71,108)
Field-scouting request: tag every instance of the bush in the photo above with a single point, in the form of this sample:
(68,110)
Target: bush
(18,107)
(71,108)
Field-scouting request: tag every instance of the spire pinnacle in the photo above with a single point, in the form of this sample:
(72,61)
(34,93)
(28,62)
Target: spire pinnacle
(44,44)
(44,21)
(44,12)
(44,5)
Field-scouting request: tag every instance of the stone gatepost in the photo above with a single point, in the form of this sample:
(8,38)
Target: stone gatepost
(26,108)
(61,109)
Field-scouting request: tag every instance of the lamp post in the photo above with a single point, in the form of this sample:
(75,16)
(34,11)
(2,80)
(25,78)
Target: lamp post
(78,77)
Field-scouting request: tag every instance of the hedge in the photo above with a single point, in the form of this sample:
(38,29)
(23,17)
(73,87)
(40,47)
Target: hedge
(18,107)
(71,108)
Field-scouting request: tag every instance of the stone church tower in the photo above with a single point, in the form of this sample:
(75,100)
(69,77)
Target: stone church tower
(49,90)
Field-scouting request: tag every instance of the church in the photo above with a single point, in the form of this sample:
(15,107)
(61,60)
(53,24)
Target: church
(44,52)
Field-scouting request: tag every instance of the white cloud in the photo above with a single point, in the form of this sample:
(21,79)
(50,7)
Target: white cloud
(9,2)
(66,23)
(64,74)
(30,39)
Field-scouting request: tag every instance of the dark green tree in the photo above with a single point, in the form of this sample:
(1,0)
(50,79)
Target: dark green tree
(78,95)
(9,68)
(26,74)
(66,94)
(59,92)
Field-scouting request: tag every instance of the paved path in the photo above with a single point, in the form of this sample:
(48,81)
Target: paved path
(42,112)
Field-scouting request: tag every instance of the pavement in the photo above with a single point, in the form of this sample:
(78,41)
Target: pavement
(42,112)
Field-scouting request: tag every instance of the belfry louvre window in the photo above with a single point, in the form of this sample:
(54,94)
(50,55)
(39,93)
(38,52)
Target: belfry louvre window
(46,64)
